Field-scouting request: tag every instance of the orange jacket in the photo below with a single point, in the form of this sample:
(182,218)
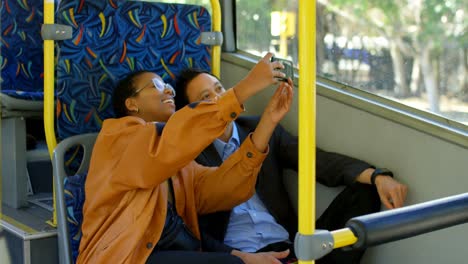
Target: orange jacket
(125,207)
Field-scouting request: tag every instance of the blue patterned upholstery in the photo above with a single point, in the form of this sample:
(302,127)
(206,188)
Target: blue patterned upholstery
(21,59)
(112,38)
(74,192)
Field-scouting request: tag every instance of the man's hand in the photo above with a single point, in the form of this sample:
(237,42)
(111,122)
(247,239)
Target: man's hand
(391,192)
(280,102)
(276,109)
(262,257)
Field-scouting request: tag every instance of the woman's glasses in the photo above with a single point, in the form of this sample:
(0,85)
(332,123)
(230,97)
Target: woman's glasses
(158,85)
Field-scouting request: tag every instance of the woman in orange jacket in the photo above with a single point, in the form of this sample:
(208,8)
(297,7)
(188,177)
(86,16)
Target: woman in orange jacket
(142,178)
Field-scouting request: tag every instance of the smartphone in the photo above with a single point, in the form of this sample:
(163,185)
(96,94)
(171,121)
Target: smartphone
(288,68)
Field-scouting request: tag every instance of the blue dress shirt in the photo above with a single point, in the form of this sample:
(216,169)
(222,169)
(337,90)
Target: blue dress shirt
(251,227)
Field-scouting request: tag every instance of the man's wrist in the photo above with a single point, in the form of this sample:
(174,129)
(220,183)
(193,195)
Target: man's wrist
(380,171)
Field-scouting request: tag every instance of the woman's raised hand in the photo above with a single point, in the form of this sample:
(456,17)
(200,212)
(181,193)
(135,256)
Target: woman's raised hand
(263,74)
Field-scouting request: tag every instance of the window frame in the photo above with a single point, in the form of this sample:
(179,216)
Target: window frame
(423,121)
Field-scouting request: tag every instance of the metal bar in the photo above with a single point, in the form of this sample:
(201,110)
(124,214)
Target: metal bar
(27,252)
(409,221)
(14,170)
(306,118)
(216,26)
(49,90)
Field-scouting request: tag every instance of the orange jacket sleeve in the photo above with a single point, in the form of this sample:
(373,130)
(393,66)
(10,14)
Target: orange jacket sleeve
(222,188)
(143,155)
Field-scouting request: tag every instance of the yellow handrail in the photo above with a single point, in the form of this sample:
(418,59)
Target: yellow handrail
(306,118)
(343,237)
(216,50)
(49,91)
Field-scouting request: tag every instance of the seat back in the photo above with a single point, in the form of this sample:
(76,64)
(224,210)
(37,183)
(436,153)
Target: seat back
(114,38)
(21,91)
(111,38)
(70,194)
(21,57)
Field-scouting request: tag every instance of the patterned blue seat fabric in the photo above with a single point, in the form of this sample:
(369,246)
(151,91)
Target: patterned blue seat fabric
(21,58)
(74,193)
(112,38)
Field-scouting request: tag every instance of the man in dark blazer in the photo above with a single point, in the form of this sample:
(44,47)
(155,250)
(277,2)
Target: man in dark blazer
(332,169)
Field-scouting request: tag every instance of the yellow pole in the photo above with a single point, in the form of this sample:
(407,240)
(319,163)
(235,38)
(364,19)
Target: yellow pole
(306,118)
(216,50)
(49,90)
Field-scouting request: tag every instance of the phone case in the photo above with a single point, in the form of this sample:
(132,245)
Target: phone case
(288,68)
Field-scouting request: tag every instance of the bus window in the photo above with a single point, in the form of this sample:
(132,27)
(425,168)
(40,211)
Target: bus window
(205,3)
(412,53)
(266,25)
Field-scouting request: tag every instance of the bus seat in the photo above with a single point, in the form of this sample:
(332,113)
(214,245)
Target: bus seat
(69,194)
(113,38)
(21,58)
(21,92)
(324,195)
(110,40)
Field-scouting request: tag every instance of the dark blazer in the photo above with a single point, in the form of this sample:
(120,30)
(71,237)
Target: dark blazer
(332,169)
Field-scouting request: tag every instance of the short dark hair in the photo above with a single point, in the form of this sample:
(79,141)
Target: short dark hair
(124,89)
(182,81)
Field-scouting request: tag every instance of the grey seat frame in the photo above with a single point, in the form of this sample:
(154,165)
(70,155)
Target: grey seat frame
(14,113)
(87,142)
